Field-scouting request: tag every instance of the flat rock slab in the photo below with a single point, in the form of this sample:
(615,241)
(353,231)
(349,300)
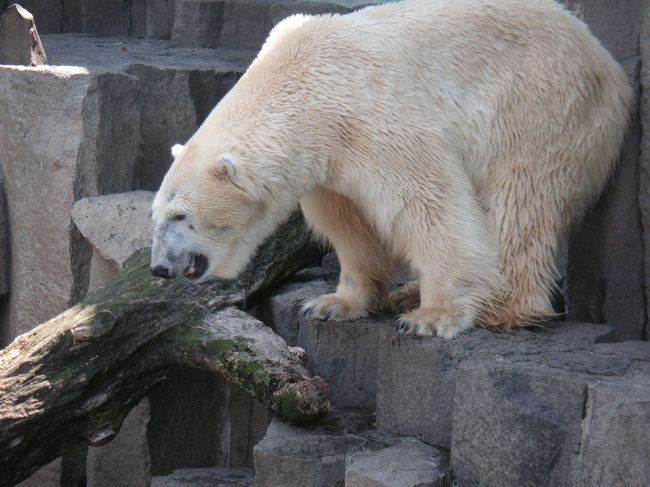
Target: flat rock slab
(117,225)
(291,456)
(523,408)
(19,39)
(415,396)
(206,477)
(117,53)
(410,463)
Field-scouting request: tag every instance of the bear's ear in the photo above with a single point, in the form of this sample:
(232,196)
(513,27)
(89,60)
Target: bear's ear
(226,166)
(176,150)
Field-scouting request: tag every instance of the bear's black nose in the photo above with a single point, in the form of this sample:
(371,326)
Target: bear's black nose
(160,271)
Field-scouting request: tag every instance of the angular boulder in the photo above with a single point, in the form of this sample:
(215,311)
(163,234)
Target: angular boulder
(19,40)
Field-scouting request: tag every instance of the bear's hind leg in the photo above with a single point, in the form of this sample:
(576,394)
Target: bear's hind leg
(405,298)
(448,242)
(366,269)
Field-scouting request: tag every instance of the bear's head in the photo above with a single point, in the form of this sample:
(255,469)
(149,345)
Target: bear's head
(207,220)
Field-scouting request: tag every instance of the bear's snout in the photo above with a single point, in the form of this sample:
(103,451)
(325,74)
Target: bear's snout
(161,271)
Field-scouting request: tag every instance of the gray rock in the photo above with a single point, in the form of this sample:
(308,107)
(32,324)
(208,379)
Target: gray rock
(83,133)
(116,225)
(415,395)
(19,39)
(5,256)
(195,93)
(606,257)
(410,463)
(249,420)
(160,19)
(511,424)
(282,10)
(48,14)
(328,270)
(107,54)
(190,423)
(345,354)
(615,444)
(281,309)
(644,159)
(290,456)
(47,476)
(206,477)
(103,17)
(563,417)
(197,78)
(152,18)
(222,23)
(125,460)
(617,28)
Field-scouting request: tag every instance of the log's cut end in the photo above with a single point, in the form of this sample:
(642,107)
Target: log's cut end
(304,401)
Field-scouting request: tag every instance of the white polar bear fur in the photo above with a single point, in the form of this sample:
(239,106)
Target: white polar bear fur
(458,137)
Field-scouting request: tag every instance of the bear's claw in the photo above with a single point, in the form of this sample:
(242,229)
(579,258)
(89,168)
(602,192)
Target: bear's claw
(333,307)
(445,323)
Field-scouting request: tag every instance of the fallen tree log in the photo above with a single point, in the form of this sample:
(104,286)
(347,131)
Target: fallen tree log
(74,378)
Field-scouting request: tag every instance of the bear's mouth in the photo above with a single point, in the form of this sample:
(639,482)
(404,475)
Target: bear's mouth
(197,266)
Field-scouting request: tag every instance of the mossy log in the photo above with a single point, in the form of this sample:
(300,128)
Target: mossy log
(74,378)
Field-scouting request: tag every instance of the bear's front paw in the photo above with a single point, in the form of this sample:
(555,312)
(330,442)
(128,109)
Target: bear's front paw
(443,322)
(334,307)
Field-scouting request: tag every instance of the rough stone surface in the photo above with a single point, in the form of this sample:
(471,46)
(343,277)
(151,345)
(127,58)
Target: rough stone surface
(47,476)
(616,26)
(102,17)
(189,424)
(329,269)
(194,96)
(117,224)
(206,477)
(644,161)
(197,78)
(221,23)
(47,14)
(605,269)
(125,460)
(281,310)
(415,395)
(248,422)
(282,10)
(5,256)
(152,18)
(345,355)
(290,456)
(83,132)
(19,39)
(562,417)
(410,463)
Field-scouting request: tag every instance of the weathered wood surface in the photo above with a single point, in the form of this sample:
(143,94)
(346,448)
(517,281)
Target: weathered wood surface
(74,378)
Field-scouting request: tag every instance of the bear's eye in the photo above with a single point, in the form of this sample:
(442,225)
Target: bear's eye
(179,217)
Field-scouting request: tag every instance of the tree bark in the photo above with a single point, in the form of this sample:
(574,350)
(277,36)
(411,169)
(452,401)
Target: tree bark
(74,378)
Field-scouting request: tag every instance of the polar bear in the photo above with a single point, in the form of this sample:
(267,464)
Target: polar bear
(456,138)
